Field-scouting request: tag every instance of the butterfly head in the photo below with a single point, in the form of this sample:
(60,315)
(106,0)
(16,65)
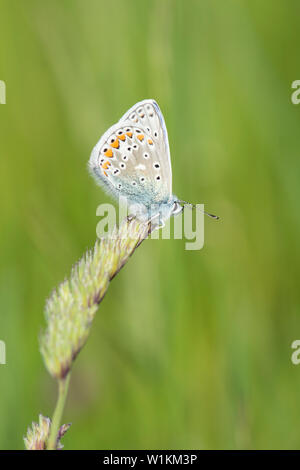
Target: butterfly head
(171,207)
(177,206)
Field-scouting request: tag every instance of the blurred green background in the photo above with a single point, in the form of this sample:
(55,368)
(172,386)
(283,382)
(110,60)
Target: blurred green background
(189,349)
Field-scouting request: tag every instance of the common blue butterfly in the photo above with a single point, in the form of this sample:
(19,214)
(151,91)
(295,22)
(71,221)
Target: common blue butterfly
(132,160)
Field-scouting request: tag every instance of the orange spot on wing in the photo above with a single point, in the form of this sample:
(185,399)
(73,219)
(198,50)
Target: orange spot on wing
(141,137)
(115,144)
(106,165)
(105,173)
(109,153)
(122,137)
(129,134)
(150,142)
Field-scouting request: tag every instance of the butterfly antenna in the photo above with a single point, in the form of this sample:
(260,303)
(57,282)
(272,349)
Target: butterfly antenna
(193,206)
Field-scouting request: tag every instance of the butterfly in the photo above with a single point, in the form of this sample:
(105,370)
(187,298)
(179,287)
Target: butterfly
(132,160)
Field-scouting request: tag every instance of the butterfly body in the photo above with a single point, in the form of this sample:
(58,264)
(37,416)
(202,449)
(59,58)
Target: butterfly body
(132,160)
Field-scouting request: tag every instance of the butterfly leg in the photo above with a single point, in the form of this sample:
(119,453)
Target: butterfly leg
(156,221)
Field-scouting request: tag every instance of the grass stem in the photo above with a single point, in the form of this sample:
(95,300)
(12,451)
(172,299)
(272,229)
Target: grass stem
(63,385)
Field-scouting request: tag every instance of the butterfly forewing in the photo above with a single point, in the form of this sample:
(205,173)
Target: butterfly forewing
(148,115)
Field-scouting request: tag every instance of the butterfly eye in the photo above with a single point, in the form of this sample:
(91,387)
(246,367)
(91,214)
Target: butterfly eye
(176,208)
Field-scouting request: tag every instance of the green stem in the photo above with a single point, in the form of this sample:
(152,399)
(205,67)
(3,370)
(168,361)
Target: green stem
(63,385)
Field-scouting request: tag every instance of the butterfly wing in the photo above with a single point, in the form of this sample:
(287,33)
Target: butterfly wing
(148,115)
(132,158)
